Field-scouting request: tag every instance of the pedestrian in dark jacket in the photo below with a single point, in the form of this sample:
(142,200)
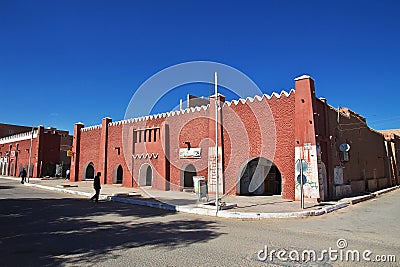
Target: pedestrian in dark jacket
(97,187)
(22,174)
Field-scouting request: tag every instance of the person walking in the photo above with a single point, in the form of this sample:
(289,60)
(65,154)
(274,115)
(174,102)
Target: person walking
(22,174)
(97,187)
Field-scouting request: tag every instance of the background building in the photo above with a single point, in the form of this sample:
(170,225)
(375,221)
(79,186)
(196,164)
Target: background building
(47,148)
(10,129)
(261,139)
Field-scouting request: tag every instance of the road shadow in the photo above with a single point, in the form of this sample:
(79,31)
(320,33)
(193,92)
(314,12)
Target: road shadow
(51,232)
(6,187)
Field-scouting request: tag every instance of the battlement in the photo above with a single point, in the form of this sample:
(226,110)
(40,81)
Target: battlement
(90,128)
(192,110)
(259,98)
(19,137)
(161,115)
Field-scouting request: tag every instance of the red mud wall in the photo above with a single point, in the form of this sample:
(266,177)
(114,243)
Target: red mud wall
(260,128)
(20,156)
(115,157)
(89,149)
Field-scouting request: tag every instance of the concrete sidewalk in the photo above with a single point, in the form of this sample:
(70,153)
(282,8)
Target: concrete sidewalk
(247,207)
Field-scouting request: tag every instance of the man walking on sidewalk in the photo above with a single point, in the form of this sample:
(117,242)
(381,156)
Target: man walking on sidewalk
(22,174)
(97,187)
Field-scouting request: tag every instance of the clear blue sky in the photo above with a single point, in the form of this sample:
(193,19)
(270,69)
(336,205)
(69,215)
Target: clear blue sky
(67,61)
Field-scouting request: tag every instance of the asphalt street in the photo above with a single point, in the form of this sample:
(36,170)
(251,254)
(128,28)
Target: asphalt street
(46,228)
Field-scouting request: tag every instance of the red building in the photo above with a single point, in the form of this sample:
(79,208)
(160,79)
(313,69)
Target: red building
(10,129)
(261,139)
(43,148)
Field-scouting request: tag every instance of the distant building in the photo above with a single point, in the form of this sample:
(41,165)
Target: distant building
(392,146)
(194,101)
(261,139)
(47,148)
(10,129)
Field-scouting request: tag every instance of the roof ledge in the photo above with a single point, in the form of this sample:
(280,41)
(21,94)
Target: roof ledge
(302,77)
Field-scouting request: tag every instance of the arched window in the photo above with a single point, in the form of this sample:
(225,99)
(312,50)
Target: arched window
(145,175)
(88,171)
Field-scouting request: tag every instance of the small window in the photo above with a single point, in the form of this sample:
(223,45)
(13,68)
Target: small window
(148,135)
(134,136)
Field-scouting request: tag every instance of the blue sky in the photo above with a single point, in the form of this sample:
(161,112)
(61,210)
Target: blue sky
(62,62)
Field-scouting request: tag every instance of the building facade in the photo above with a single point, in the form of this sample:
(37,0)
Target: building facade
(44,149)
(260,141)
(10,129)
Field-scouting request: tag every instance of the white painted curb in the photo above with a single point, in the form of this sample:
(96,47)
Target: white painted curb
(208,212)
(192,210)
(386,190)
(336,207)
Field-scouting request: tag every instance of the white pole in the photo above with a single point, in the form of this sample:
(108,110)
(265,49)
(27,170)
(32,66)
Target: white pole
(30,155)
(301,184)
(216,141)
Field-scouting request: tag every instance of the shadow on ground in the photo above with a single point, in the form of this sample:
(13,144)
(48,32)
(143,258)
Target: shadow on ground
(49,232)
(6,187)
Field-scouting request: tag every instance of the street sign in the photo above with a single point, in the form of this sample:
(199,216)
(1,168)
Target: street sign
(344,147)
(304,179)
(303,164)
(301,167)
(307,146)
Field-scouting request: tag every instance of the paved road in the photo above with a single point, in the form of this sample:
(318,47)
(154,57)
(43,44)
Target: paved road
(44,228)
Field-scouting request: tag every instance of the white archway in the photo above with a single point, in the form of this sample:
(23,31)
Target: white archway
(145,175)
(88,171)
(187,173)
(118,174)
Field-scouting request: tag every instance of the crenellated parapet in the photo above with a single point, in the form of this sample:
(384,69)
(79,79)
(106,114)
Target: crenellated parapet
(19,137)
(91,128)
(159,116)
(191,110)
(249,100)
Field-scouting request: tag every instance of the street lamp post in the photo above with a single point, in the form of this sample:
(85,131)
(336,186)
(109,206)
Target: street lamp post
(216,142)
(30,155)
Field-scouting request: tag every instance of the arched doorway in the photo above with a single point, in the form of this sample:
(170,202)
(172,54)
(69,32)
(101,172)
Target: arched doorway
(259,176)
(187,174)
(149,176)
(88,171)
(146,175)
(118,174)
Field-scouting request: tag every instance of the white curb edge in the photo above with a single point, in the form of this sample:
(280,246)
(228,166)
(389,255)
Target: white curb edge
(222,213)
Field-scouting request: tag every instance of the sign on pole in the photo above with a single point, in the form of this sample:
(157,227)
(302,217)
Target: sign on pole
(301,166)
